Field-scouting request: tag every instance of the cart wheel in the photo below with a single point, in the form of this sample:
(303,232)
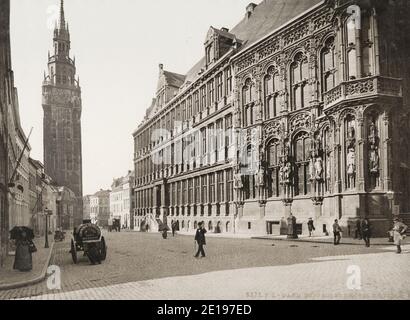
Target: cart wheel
(103,249)
(74,252)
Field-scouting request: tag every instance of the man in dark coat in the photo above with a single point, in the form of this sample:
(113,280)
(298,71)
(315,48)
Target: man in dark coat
(365,230)
(200,239)
(311,227)
(336,232)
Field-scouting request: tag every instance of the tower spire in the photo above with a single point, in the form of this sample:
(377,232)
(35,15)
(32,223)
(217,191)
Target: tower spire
(62,16)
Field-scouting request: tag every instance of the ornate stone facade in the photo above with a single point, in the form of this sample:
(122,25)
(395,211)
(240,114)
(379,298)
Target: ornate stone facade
(311,112)
(62,117)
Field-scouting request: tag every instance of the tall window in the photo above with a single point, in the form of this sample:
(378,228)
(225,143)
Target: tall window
(329,65)
(196,103)
(219,87)
(209,54)
(228,134)
(299,79)
(271,89)
(247,101)
(211,93)
(197,190)
(184,111)
(203,98)
(203,144)
(190,191)
(189,107)
(219,135)
(204,194)
(302,147)
(351,48)
(220,188)
(367,46)
(228,82)
(229,185)
(178,193)
(184,192)
(211,188)
(274,167)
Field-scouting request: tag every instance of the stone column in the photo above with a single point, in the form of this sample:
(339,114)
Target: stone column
(361,156)
(387,154)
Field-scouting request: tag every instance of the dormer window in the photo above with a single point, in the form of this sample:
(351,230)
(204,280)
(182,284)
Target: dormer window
(209,55)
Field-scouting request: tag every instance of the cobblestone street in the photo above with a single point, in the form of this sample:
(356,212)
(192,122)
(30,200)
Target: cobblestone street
(143,266)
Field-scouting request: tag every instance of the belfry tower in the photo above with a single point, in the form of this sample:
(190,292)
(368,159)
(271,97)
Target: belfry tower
(62,117)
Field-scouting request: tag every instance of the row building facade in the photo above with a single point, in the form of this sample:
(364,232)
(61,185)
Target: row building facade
(302,108)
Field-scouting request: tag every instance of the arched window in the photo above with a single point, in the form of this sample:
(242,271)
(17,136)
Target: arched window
(273,168)
(299,74)
(329,65)
(249,164)
(351,48)
(272,86)
(248,96)
(301,149)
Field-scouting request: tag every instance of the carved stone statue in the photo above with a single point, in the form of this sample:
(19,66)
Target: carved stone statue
(351,162)
(319,169)
(312,168)
(351,138)
(238,180)
(285,173)
(374,159)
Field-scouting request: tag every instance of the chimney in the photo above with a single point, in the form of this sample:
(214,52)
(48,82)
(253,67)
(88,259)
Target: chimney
(250,8)
(225,29)
(161,67)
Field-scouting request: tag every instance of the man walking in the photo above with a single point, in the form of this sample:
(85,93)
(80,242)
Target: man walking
(311,227)
(336,231)
(200,239)
(365,231)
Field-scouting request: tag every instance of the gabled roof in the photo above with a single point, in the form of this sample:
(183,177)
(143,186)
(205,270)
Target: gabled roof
(174,79)
(265,18)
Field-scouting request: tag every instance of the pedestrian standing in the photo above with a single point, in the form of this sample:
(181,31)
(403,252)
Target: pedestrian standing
(399,230)
(311,227)
(337,232)
(173,227)
(200,239)
(358,232)
(365,231)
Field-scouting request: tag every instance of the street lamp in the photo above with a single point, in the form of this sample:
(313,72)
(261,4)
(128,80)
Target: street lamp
(47,214)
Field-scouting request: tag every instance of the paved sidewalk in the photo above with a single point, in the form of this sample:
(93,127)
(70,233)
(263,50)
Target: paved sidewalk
(329,240)
(315,239)
(381,276)
(11,279)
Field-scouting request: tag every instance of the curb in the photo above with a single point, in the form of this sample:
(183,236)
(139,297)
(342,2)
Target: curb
(321,242)
(31,282)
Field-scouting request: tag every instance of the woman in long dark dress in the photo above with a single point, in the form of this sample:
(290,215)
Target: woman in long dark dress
(23,260)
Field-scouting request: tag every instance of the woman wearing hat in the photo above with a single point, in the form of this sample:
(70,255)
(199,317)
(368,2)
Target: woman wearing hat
(399,230)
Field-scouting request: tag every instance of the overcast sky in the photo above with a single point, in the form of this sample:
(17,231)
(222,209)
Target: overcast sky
(118,45)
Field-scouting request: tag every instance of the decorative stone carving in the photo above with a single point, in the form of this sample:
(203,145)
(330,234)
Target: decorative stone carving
(374,159)
(302,120)
(272,129)
(297,34)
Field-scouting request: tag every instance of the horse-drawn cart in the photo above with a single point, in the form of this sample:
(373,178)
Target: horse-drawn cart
(87,238)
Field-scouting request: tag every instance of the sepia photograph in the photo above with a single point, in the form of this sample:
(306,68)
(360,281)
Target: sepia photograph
(204,150)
